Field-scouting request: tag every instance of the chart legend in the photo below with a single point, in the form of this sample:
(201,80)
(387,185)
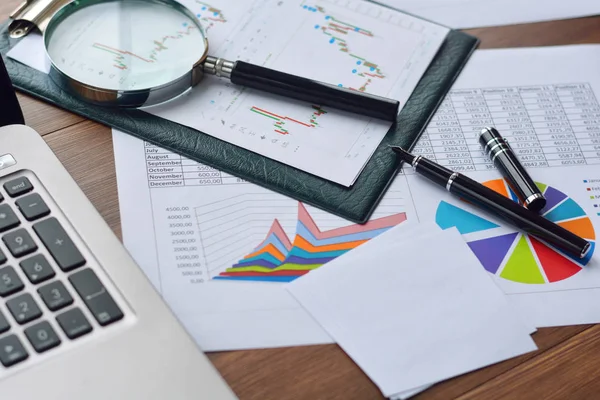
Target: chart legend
(276,259)
(520,257)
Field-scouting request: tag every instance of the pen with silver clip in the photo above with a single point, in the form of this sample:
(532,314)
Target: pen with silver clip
(498,205)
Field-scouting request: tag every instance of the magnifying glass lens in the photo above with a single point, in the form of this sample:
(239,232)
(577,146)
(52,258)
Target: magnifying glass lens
(126,45)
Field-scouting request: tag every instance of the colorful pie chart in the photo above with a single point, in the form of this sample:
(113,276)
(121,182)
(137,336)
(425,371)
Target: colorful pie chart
(516,256)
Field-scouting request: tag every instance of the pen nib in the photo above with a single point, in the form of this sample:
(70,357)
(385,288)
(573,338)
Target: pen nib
(404,155)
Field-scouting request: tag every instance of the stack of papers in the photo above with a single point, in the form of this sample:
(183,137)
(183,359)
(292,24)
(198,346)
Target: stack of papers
(410,317)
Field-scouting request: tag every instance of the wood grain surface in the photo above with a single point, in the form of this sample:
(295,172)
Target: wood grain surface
(563,367)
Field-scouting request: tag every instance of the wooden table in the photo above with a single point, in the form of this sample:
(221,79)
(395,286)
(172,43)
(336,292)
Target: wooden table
(566,366)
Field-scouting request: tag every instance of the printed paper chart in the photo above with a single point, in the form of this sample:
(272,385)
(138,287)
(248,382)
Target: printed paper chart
(519,257)
(276,259)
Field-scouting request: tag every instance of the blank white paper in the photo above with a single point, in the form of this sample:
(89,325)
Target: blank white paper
(410,316)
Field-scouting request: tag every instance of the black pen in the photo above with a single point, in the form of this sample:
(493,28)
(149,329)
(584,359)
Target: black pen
(506,161)
(498,205)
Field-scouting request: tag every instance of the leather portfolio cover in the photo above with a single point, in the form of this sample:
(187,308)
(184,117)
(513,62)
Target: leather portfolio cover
(355,203)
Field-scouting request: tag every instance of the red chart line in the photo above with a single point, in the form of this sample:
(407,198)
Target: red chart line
(283,117)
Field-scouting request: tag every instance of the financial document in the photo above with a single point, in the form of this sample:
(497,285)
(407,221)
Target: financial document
(545,102)
(462,14)
(348,43)
(220,250)
(352,44)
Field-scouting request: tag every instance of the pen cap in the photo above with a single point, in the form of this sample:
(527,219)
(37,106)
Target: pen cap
(503,157)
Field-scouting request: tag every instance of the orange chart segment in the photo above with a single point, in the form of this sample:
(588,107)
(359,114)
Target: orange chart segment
(499,186)
(582,227)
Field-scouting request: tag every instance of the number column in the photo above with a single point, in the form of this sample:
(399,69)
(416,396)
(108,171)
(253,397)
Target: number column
(473,115)
(583,113)
(552,125)
(447,140)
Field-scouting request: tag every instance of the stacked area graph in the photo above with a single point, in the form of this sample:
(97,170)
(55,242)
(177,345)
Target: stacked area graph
(276,259)
(516,256)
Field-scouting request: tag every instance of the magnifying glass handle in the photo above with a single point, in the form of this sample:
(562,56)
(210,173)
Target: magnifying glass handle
(292,86)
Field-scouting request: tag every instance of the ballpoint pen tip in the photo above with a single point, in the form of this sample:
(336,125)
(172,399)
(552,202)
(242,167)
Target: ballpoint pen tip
(403,154)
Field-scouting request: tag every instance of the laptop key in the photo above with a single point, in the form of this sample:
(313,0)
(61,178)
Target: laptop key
(8,218)
(96,297)
(58,243)
(2,257)
(55,295)
(42,336)
(18,186)
(4,325)
(74,323)
(9,281)
(37,269)
(12,351)
(32,206)
(19,242)
(23,308)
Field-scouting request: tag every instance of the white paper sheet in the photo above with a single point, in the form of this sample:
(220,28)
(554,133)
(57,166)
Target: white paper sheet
(462,14)
(30,51)
(188,225)
(409,316)
(353,44)
(545,101)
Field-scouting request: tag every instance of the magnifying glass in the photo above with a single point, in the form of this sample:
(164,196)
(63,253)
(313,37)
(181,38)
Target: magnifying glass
(136,53)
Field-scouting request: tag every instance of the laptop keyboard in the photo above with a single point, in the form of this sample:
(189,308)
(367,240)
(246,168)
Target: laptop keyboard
(50,294)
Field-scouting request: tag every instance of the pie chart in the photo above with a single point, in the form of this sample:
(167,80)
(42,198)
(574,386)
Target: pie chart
(517,256)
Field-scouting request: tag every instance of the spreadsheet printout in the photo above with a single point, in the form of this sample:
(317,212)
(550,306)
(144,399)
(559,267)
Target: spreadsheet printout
(546,125)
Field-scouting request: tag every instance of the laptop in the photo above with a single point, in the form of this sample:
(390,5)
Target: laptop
(78,318)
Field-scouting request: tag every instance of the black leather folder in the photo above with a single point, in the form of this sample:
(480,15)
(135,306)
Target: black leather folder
(355,203)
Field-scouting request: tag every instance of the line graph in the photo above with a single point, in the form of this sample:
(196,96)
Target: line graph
(279,121)
(210,15)
(120,56)
(338,32)
(160,45)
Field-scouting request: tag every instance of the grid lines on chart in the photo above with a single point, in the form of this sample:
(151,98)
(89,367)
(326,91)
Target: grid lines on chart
(546,125)
(231,227)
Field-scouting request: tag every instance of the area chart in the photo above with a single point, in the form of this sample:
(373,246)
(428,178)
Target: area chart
(276,259)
